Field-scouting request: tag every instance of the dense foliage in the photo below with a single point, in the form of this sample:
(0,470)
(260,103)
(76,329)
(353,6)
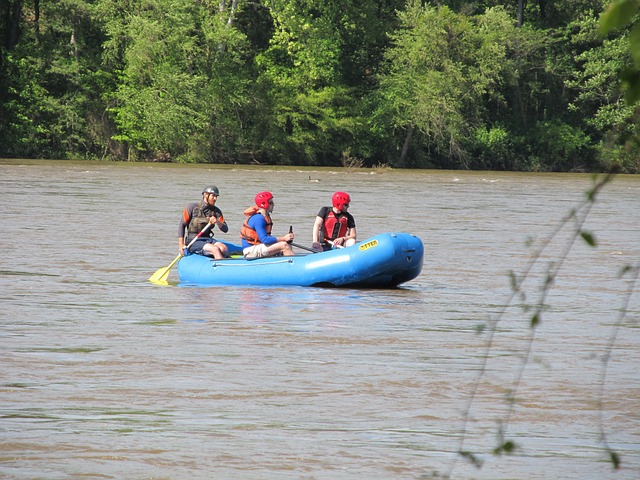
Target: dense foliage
(404,83)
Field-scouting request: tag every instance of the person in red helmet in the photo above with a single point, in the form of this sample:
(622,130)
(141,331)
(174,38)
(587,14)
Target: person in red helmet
(334,225)
(257,240)
(195,217)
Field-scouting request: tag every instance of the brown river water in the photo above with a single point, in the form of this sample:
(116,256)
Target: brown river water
(104,375)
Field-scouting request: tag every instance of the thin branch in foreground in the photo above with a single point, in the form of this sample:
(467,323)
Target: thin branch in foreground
(576,217)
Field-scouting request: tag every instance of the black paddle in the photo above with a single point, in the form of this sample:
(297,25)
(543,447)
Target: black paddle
(290,242)
(305,248)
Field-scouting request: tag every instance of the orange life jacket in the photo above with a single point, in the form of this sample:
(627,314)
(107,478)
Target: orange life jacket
(248,233)
(334,227)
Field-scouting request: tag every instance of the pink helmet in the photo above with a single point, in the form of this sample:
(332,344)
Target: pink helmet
(262,199)
(339,199)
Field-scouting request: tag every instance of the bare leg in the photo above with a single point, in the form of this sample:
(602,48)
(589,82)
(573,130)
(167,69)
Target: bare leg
(278,247)
(213,250)
(223,249)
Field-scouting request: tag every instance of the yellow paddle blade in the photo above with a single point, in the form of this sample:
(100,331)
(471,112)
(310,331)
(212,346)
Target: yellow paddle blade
(160,277)
(162,274)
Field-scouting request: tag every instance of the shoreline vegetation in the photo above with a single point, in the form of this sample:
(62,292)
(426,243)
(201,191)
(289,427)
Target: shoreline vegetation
(503,86)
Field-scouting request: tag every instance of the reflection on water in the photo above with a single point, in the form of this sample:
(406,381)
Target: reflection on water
(105,375)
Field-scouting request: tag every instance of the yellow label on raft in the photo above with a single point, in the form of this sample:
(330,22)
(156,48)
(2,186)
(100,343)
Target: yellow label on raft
(368,245)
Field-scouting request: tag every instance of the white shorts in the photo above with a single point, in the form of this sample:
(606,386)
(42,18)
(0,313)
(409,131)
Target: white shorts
(256,251)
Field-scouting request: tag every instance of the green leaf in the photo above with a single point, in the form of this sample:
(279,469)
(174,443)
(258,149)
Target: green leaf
(472,458)
(617,15)
(507,447)
(588,237)
(624,270)
(535,320)
(615,459)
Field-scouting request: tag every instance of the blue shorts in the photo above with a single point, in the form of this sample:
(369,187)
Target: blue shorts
(199,244)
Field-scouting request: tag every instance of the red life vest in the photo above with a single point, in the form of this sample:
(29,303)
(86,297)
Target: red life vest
(334,227)
(250,234)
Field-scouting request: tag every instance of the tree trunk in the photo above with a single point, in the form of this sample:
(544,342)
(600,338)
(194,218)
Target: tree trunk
(543,8)
(36,13)
(232,13)
(521,5)
(405,147)
(12,14)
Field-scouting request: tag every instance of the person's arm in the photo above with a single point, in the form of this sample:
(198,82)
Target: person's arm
(220,222)
(317,225)
(351,230)
(182,227)
(351,234)
(260,225)
(315,236)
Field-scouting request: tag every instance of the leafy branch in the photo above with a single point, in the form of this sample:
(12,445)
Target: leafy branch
(574,221)
(634,273)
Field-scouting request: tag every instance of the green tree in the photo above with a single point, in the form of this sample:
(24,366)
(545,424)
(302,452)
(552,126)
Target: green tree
(157,97)
(311,82)
(183,78)
(300,73)
(50,75)
(598,100)
(441,69)
(619,15)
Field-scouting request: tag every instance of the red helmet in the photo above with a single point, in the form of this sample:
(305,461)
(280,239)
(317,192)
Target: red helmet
(262,199)
(339,199)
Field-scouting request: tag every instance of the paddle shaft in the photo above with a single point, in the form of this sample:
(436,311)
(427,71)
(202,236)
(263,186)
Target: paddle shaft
(303,247)
(330,242)
(206,227)
(160,276)
(290,242)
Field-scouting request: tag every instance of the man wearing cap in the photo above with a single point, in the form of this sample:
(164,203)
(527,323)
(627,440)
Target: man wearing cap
(195,218)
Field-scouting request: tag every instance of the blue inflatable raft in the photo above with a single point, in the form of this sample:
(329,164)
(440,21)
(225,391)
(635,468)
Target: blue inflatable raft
(384,261)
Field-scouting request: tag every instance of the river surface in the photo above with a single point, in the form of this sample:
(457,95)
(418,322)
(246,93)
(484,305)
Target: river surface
(104,375)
